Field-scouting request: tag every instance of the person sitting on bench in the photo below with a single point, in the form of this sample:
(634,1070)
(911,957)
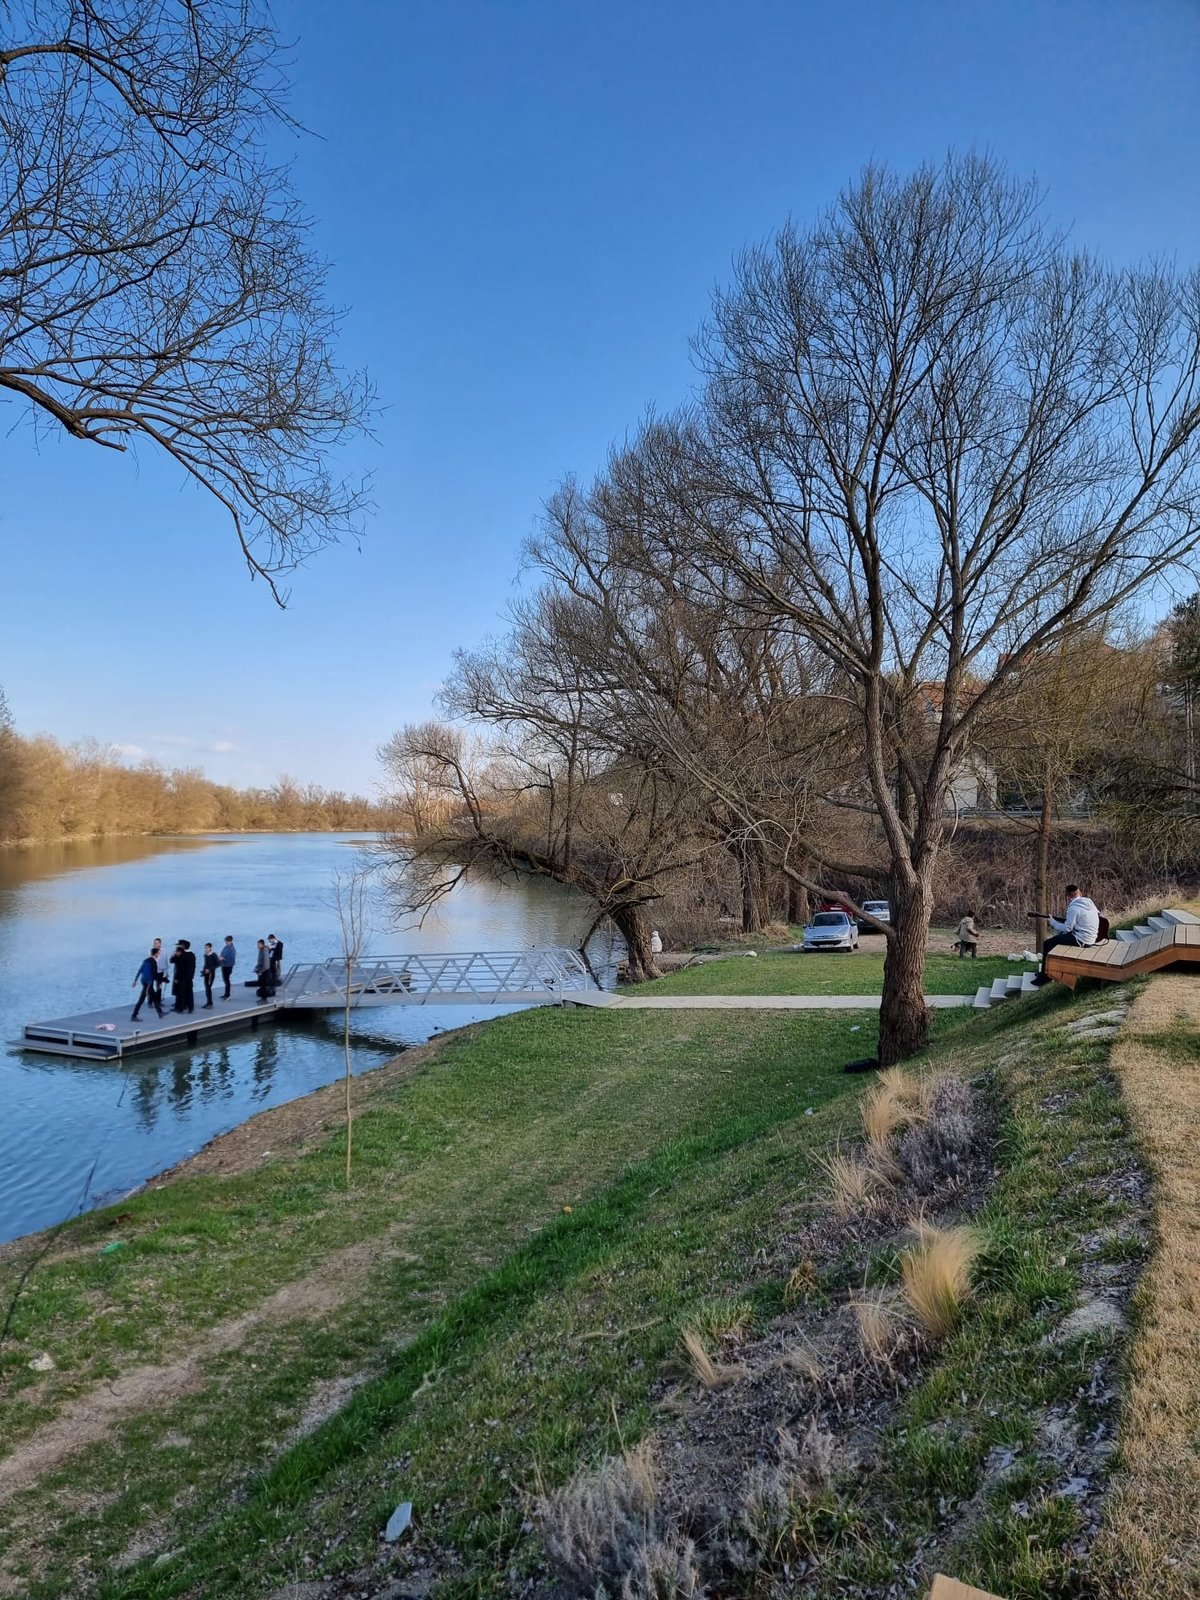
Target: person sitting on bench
(1080,926)
(967,940)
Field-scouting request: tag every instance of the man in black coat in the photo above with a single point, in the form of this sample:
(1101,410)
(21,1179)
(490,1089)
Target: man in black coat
(185,976)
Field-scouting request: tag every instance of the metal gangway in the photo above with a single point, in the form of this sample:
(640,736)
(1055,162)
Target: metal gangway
(505,977)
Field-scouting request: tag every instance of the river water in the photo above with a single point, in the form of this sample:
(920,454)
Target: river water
(76,920)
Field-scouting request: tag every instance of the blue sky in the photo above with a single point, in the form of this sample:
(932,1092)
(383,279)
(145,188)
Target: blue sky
(527,204)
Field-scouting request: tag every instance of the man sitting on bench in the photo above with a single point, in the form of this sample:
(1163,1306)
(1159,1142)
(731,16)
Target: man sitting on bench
(1080,926)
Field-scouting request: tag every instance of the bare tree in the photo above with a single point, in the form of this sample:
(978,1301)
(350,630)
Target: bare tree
(1151,786)
(350,898)
(934,443)
(156,278)
(746,716)
(552,793)
(1069,711)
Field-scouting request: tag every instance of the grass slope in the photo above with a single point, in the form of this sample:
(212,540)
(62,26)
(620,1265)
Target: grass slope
(836,973)
(454,1170)
(516,1339)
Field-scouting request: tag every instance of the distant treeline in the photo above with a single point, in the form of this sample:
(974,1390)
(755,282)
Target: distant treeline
(50,791)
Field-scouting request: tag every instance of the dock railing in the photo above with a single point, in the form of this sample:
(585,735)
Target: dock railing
(457,977)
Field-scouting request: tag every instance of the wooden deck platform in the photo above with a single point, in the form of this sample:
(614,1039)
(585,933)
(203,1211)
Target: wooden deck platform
(1175,943)
(110,1035)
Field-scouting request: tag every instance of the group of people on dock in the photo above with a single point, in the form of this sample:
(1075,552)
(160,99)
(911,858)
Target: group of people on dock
(181,966)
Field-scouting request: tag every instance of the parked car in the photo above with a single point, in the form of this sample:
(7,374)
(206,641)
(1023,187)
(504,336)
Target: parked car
(879,909)
(831,930)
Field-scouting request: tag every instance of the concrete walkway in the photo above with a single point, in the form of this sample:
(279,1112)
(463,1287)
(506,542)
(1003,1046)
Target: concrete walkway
(752,1002)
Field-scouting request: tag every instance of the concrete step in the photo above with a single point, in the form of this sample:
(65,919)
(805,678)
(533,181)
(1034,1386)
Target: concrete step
(1027,984)
(983,998)
(1181,919)
(1016,983)
(999,989)
(1160,924)
(1125,935)
(1142,931)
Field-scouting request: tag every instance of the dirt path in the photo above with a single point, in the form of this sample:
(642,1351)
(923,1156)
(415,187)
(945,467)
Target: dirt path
(1151,1531)
(287,1129)
(90,1417)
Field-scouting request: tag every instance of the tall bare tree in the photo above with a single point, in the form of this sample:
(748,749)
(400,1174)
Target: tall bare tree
(932,443)
(157,282)
(746,716)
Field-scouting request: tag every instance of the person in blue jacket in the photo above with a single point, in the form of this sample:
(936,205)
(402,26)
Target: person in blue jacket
(147,976)
(228,958)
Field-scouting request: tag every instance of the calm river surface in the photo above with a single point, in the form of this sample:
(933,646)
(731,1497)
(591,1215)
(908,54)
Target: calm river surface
(76,920)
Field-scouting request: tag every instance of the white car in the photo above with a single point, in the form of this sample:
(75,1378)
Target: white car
(831,930)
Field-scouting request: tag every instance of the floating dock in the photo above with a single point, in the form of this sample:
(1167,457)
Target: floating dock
(110,1035)
(551,976)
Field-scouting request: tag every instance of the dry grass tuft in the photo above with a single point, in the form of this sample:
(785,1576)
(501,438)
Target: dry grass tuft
(936,1147)
(935,1275)
(605,1536)
(883,1113)
(929,1086)
(775,1494)
(804,1360)
(802,1280)
(852,1182)
(903,1084)
(712,1374)
(880,1328)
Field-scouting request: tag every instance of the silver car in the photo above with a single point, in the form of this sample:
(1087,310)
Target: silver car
(879,909)
(831,930)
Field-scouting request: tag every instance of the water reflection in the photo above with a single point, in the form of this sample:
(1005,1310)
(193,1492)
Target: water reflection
(75,920)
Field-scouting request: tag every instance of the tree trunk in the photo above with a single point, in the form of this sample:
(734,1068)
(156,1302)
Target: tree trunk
(903,1014)
(797,903)
(766,910)
(1041,870)
(635,931)
(747,871)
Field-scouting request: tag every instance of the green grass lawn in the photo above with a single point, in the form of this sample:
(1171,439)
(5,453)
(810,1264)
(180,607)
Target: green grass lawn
(835,973)
(571,1190)
(459,1166)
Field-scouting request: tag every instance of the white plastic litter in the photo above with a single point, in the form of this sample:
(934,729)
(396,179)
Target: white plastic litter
(399,1522)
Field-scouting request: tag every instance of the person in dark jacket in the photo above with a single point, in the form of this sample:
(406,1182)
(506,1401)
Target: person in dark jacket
(262,966)
(228,960)
(185,976)
(147,976)
(208,971)
(275,951)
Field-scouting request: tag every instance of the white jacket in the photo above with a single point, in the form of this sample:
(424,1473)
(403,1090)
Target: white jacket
(1082,919)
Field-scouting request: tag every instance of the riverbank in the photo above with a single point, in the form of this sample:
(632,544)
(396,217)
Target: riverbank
(247,1366)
